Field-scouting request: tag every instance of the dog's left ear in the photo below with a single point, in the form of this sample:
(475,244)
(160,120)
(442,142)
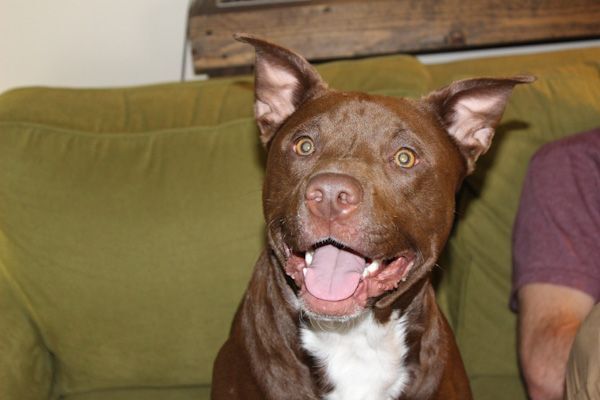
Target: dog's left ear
(470,110)
(283,81)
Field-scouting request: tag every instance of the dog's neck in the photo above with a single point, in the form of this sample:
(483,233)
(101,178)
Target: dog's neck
(389,351)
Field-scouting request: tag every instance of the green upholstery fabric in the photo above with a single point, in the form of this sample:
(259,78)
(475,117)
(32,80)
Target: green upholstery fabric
(126,248)
(25,364)
(130,220)
(497,387)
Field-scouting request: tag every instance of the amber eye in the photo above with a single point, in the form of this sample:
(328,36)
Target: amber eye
(304,146)
(405,158)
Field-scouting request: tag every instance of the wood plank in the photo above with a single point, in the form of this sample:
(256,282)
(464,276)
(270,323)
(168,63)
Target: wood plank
(344,28)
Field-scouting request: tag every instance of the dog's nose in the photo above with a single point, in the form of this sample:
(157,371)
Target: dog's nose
(333,196)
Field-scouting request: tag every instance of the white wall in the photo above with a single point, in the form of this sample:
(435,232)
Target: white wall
(95,43)
(90,42)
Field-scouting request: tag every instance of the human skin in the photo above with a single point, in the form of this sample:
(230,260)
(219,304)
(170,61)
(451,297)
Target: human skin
(549,317)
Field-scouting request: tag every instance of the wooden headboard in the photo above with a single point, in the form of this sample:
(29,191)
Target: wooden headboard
(333,29)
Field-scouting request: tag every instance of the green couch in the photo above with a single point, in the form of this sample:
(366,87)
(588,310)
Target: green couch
(130,220)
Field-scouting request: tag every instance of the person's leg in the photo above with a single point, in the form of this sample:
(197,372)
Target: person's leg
(583,369)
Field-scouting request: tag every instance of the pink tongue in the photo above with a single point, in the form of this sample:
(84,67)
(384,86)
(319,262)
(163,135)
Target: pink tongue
(334,274)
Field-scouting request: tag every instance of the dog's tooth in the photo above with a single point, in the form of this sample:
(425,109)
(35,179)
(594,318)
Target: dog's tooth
(408,268)
(374,266)
(308,257)
(304,272)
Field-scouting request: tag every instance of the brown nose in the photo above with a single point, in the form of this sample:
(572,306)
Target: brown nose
(333,196)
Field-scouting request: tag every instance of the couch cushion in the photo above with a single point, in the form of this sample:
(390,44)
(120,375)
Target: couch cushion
(477,264)
(25,365)
(130,250)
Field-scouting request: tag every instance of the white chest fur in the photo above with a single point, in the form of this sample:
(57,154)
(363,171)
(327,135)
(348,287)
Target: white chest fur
(363,359)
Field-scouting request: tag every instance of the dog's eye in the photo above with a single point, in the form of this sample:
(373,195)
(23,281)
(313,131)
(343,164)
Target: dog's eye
(304,146)
(405,158)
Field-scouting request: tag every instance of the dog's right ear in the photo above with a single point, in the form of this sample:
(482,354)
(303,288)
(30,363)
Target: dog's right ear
(283,81)
(470,109)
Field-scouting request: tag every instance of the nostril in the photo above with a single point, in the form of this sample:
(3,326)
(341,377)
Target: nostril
(345,198)
(349,196)
(314,195)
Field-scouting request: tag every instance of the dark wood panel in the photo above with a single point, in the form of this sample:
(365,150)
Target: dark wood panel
(345,28)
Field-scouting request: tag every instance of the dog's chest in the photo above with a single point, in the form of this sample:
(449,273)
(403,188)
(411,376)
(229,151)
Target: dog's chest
(362,359)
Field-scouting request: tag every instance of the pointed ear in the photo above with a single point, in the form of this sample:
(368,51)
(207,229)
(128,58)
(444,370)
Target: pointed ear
(283,81)
(470,110)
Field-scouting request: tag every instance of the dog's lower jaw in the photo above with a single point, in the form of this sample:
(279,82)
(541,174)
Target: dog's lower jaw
(345,310)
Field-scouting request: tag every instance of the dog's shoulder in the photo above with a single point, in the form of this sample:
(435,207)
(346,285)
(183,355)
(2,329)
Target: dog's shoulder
(361,358)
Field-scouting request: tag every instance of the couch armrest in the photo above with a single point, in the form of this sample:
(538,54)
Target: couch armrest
(25,364)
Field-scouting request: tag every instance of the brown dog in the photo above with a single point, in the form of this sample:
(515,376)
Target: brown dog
(359,202)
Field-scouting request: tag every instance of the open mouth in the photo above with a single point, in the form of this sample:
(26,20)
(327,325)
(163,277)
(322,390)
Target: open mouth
(336,280)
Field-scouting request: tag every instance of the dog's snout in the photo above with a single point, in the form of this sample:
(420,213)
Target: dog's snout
(333,196)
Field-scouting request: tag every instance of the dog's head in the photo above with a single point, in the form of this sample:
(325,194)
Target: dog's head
(359,190)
